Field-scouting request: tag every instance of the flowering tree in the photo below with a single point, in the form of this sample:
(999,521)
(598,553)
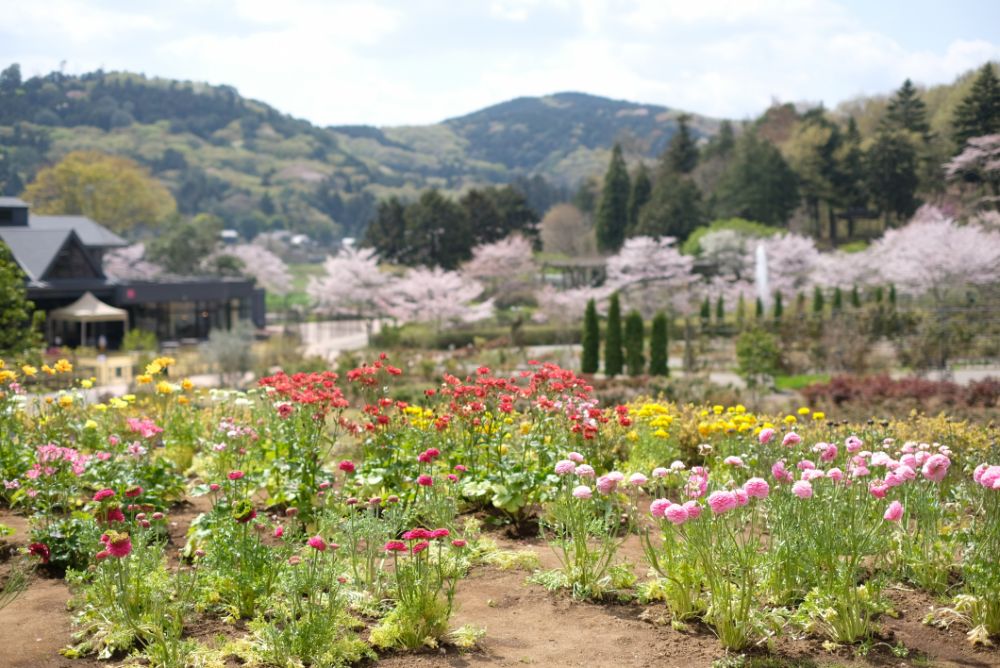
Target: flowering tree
(130,264)
(566,307)
(791,260)
(352,285)
(979,163)
(265,267)
(933,253)
(650,272)
(434,295)
(502,265)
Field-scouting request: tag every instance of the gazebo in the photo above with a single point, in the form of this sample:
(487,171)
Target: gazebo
(88,309)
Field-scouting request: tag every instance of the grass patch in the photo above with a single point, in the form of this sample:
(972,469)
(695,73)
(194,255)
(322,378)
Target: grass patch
(799,381)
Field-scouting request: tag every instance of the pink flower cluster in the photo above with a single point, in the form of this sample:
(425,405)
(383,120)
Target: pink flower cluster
(675,513)
(988,476)
(144,427)
(50,456)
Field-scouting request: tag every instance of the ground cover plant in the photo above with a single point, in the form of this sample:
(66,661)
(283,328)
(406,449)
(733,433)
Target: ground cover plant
(339,522)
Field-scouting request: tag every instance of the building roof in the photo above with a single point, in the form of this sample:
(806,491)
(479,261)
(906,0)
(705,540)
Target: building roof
(90,233)
(12,202)
(35,249)
(89,308)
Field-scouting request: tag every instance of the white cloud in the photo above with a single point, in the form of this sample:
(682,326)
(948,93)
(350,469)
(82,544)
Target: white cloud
(75,21)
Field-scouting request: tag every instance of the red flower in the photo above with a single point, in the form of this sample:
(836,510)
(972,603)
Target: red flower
(317,543)
(440,533)
(425,480)
(133,492)
(395,546)
(420,547)
(347,466)
(418,534)
(236,475)
(458,542)
(40,550)
(104,494)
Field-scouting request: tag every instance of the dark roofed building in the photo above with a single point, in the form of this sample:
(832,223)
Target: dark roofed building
(62,257)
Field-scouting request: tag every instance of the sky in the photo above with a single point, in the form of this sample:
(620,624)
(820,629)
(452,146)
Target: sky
(410,62)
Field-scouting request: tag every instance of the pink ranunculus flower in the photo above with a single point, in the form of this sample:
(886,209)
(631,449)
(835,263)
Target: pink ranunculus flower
(693,509)
(564,467)
(757,488)
(812,474)
(909,460)
(722,501)
(676,514)
(878,489)
(317,543)
(585,471)
(104,494)
(658,507)
(733,460)
(791,439)
(881,459)
(765,436)
(582,492)
(894,512)
(780,473)
(936,467)
(853,444)
(742,498)
(829,453)
(805,465)
(803,489)
(616,476)
(575,457)
(660,472)
(236,475)
(637,480)
(425,480)
(835,474)
(990,477)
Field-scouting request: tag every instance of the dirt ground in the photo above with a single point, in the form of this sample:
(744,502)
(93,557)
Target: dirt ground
(525,625)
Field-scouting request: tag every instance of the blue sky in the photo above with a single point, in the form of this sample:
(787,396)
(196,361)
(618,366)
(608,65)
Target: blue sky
(402,62)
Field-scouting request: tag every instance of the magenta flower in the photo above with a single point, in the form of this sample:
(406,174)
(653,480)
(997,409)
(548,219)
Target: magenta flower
(835,474)
(757,488)
(459,542)
(659,507)
(104,494)
(420,547)
(802,489)
(894,512)
(317,543)
(236,475)
(395,546)
(119,545)
(791,439)
(765,436)
(780,473)
(676,514)
(347,466)
(425,480)
(693,509)
(722,501)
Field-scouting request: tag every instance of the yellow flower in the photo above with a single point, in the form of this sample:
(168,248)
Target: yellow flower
(633,435)
(661,433)
(144,379)
(90,424)
(100,407)
(128,397)
(717,409)
(803,411)
(86,384)
(504,449)
(525,427)
(819,415)
(49,370)
(29,370)
(7,375)
(2,364)
(118,403)
(153,368)
(164,362)
(790,419)
(184,401)
(63,366)
(65,401)
(163,387)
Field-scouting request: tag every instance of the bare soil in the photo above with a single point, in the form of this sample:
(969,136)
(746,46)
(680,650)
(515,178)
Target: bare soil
(525,625)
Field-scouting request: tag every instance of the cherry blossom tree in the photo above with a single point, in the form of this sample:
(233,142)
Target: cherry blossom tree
(652,273)
(434,295)
(130,264)
(504,265)
(566,307)
(791,261)
(257,262)
(351,285)
(979,163)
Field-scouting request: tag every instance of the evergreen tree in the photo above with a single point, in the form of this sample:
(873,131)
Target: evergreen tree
(757,184)
(613,361)
(892,295)
(387,233)
(906,111)
(892,174)
(705,313)
(978,113)
(838,300)
(741,312)
(591,340)
(641,189)
(759,311)
(818,301)
(658,341)
(779,309)
(674,208)
(18,319)
(634,335)
(723,143)
(800,304)
(613,211)
(720,311)
(855,297)
(879,294)
(850,188)
(682,152)
(437,232)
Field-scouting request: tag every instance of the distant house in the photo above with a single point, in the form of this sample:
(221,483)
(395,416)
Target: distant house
(62,257)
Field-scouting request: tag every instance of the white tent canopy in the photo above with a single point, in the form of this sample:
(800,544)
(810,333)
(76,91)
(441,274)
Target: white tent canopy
(89,309)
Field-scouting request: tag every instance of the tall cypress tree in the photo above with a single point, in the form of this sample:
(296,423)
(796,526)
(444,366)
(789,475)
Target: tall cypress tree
(759,311)
(906,111)
(613,361)
(892,295)
(741,312)
(682,152)
(642,186)
(838,299)
(612,213)
(705,313)
(818,301)
(800,304)
(658,341)
(591,340)
(978,113)
(720,311)
(855,297)
(634,335)
(779,308)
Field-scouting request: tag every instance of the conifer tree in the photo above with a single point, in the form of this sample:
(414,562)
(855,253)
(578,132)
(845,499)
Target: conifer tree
(779,308)
(759,313)
(800,304)
(612,212)
(634,358)
(906,111)
(658,341)
(705,313)
(838,300)
(682,152)
(978,113)
(892,295)
(818,301)
(591,340)
(613,361)
(720,311)
(879,294)
(19,320)
(855,297)
(642,187)
(741,312)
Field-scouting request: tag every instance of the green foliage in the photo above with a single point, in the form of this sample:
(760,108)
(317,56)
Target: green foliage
(692,246)
(906,111)
(720,311)
(613,359)
(634,340)
(855,297)
(838,299)
(818,300)
(642,188)
(757,355)
(19,332)
(613,211)
(591,358)
(658,340)
(758,184)
(779,308)
(185,242)
(978,113)
(682,153)
(759,309)
(705,312)
(674,208)
(892,174)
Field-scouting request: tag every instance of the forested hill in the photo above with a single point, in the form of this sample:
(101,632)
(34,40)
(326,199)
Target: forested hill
(258,168)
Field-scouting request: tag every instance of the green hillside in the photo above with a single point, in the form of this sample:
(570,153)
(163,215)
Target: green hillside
(259,169)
